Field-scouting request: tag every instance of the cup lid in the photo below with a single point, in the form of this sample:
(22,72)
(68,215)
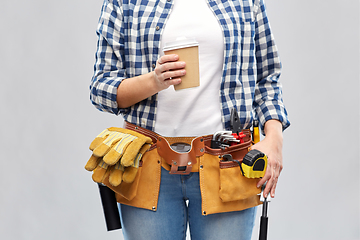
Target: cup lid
(181,42)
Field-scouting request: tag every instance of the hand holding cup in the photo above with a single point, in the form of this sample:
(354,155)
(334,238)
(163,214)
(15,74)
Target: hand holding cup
(186,50)
(168,71)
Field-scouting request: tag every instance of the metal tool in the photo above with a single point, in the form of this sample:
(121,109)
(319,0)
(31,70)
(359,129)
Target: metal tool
(222,139)
(236,126)
(235,121)
(264,217)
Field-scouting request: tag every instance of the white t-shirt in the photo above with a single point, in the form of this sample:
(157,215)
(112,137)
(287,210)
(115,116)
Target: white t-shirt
(194,111)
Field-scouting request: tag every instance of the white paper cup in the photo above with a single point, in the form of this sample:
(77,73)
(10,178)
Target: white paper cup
(188,52)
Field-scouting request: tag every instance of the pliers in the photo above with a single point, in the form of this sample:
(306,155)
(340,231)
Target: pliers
(236,126)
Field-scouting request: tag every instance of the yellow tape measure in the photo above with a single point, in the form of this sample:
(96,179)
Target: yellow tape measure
(254,164)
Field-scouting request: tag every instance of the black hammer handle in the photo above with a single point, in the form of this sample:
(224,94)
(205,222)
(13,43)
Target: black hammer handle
(264,221)
(111,211)
(263,228)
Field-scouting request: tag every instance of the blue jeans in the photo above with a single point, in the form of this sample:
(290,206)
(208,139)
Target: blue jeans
(179,204)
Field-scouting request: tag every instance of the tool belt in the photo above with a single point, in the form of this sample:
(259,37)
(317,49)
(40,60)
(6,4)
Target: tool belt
(223,187)
(181,153)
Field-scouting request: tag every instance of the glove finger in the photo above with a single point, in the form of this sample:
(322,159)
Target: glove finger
(142,151)
(105,146)
(116,175)
(92,163)
(133,149)
(130,172)
(118,150)
(100,172)
(99,139)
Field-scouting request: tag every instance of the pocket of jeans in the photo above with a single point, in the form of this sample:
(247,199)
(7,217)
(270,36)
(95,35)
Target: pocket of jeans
(233,185)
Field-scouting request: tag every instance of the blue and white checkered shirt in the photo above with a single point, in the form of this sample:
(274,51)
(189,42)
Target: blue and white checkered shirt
(128,45)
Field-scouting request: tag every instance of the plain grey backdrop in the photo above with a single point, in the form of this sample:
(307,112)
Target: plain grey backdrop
(47,121)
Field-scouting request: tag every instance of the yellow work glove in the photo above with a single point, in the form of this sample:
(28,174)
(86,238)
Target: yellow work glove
(116,150)
(100,172)
(114,144)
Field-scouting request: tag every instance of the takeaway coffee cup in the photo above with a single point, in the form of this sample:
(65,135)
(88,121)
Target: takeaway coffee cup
(188,51)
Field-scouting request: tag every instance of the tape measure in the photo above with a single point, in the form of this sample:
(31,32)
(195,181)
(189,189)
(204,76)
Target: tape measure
(254,164)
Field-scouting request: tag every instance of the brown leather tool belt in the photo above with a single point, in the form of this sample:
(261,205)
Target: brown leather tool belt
(194,147)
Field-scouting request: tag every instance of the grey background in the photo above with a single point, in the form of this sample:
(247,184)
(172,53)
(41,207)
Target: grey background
(47,121)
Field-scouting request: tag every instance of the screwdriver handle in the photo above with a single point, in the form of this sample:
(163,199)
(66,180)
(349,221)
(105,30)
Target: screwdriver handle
(256,132)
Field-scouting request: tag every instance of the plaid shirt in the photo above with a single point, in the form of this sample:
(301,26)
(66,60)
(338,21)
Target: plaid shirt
(129,34)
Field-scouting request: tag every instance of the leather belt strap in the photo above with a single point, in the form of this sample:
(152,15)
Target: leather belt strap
(184,163)
(146,132)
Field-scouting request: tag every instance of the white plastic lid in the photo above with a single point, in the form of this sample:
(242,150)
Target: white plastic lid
(181,42)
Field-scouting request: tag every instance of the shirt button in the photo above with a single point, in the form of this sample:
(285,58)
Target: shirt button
(157,28)
(153,66)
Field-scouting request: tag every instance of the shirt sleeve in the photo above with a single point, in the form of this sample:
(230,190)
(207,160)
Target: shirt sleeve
(268,102)
(109,68)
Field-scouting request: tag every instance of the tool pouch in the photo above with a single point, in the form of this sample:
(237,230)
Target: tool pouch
(181,162)
(233,185)
(126,190)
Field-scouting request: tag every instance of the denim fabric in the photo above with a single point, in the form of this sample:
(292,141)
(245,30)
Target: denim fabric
(179,204)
